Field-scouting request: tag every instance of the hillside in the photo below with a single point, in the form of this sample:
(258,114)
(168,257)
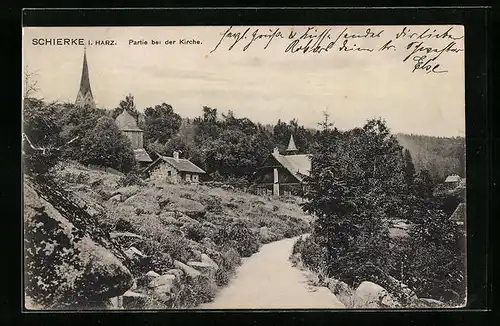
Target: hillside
(181,242)
(442,156)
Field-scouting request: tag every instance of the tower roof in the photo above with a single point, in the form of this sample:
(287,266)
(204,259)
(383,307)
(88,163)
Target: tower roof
(291,145)
(126,122)
(84,96)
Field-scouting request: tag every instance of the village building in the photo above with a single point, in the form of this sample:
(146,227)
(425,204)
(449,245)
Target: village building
(84,98)
(283,174)
(174,170)
(459,215)
(128,126)
(452,181)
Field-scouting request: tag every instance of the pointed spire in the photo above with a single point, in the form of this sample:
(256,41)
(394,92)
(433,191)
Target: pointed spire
(291,145)
(84,96)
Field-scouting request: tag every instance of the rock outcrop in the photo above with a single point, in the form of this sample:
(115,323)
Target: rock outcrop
(69,262)
(371,295)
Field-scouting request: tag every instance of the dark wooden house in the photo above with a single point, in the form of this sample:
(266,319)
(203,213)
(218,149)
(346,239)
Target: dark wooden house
(282,174)
(128,126)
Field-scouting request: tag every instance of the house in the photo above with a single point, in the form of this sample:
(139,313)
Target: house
(281,174)
(452,181)
(459,214)
(128,125)
(174,170)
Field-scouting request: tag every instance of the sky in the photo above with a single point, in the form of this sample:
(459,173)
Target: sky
(262,84)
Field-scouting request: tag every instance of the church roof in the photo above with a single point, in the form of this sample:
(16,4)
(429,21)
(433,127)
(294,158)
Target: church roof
(291,145)
(126,122)
(85,93)
(298,165)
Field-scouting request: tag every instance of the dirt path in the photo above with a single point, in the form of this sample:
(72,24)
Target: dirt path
(267,280)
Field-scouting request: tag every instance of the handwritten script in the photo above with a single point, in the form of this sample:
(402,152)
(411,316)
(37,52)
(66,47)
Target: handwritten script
(422,48)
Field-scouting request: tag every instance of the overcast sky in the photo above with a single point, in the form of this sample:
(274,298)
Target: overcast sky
(264,85)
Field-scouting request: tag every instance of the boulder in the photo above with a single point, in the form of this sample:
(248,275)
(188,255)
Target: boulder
(186,206)
(371,295)
(143,204)
(127,234)
(205,268)
(116,198)
(152,274)
(169,218)
(134,254)
(70,261)
(342,291)
(188,270)
(206,259)
(163,280)
(177,272)
(134,300)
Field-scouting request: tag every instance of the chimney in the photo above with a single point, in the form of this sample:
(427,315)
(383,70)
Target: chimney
(176,155)
(276,150)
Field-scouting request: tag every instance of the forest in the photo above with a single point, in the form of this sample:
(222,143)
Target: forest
(224,145)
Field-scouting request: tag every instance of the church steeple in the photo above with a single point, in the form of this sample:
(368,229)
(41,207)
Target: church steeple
(84,96)
(291,146)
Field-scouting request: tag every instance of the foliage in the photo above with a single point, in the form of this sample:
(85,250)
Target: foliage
(161,123)
(41,127)
(441,156)
(131,179)
(360,180)
(99,141)
(126,105)
(238,233)
(230,259)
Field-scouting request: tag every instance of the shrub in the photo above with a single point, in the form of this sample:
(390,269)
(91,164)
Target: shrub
(193,231)
(313,254)
(246,240)
(131,179)
(228,262)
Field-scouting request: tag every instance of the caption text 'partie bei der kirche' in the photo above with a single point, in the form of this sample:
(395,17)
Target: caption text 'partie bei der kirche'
(422,46)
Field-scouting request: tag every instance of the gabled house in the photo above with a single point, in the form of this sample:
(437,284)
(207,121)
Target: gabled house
(283,173)
(174,170)
(452,181)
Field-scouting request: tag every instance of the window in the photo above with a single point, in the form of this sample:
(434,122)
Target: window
(195,177)
(169,173)
(188,177)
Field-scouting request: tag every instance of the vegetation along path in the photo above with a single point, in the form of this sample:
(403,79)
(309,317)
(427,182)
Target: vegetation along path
(267,280)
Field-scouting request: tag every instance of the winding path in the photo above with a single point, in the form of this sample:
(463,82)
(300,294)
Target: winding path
(267,280)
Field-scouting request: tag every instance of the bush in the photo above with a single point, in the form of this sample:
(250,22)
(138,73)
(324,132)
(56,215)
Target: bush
(313,255)
(228,262)
(245,240)
(131,179)
(193,231)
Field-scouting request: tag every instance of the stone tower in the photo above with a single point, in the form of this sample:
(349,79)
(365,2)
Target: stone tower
(84,97)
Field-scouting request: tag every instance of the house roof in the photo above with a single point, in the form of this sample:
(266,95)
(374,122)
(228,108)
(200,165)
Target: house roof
(126,122)
(299,165)
(452,178)
(141,155)
(459,213)
(181,164)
